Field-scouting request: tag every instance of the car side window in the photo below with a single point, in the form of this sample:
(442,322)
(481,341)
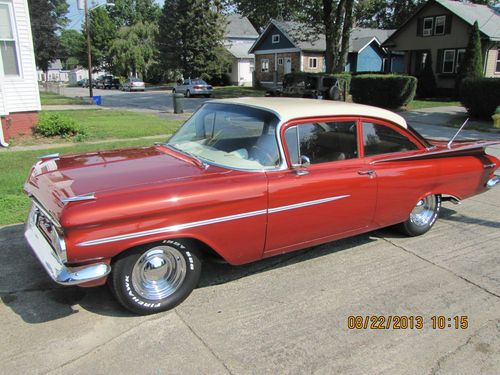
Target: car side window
(185,83)
(322,142)
(380,139)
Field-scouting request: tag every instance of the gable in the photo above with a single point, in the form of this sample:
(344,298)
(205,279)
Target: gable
(265,42)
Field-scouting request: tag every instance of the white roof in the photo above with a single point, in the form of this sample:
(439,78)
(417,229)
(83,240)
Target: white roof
(240,49)
(295,108)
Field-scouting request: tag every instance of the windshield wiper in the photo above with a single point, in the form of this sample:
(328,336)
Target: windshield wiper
(200,163)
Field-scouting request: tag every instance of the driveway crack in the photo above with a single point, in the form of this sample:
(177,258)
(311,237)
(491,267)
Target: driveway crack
(437,265)
(203,342)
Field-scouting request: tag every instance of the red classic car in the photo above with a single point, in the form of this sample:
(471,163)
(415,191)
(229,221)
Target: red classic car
(242,179)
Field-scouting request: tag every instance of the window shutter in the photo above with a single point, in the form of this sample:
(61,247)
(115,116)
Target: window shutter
(449,18)
(439,67)
(420,26)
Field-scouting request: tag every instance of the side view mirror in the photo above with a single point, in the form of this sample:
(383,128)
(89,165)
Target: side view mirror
(300,169)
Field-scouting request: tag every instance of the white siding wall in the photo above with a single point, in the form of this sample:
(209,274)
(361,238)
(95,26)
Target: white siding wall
(20,94)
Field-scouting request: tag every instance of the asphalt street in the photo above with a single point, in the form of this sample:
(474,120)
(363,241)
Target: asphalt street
(284,315)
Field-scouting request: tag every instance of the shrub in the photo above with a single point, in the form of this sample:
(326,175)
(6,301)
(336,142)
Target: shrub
(344,78)
(54,124)
(480,96)
(387,91)
(426,87)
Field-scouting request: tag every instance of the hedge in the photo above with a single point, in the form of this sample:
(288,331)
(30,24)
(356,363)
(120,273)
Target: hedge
(480,96)
(383,90)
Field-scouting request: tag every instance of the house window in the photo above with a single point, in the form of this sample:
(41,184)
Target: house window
(276,38)
(428,26)
(460,59)
(448,61)
(497,69)
(313,62)
(8,50)
(264,65)
(439,27)
(280,61)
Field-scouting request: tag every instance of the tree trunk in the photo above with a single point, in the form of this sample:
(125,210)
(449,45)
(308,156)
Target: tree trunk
(328,23)
(346,33)
(339,17)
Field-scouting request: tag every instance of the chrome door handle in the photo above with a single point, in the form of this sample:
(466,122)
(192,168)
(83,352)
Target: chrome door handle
(369,173)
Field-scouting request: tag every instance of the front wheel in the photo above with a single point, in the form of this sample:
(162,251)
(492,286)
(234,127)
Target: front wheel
(155,278)
(422,217)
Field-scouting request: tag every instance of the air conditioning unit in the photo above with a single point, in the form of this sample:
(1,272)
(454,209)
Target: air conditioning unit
(427,32)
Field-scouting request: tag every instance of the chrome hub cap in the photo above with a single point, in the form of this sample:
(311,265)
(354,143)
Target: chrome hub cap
(159,272)
(424,211)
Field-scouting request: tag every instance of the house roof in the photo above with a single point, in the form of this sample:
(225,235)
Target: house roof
(302,37)
(240,49)
(292,108)
(239,27)
(487,18)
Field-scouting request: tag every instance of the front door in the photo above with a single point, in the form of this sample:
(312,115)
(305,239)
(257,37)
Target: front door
(334,196)
(288,65)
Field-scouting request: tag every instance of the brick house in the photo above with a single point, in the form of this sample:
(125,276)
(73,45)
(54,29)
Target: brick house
(282,48)
(441,29)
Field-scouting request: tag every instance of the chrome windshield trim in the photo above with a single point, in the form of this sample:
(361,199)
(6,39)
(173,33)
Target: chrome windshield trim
(49,156)
(178,227)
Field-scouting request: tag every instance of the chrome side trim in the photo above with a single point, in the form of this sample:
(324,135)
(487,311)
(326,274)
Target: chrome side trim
(49,156)
(78,198)
(175,228)
(53,264)
(306,204)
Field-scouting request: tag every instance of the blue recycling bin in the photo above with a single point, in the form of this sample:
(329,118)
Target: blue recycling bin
(97,99)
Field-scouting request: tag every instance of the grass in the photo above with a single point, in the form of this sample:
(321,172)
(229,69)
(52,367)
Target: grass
(224,92)
(108,124)
(473,124)
(50,98)
(14,204)
(431,103)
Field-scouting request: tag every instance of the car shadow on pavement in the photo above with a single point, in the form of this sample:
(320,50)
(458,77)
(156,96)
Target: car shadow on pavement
(452,215)
(28,291)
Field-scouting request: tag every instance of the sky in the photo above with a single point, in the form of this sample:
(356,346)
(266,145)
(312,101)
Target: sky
(76,16)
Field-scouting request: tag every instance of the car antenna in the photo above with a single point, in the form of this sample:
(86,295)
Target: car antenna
(456,134)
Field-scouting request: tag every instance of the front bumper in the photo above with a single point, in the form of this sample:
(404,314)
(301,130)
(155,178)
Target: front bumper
(51,261)
(493,182)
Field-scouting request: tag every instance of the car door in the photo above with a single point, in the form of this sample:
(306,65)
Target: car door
(332,197)
(400,183)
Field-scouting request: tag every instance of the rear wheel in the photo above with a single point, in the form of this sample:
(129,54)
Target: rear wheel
(423,216)
(156,277)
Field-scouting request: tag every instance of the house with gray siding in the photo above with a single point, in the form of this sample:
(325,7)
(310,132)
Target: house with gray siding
(285,47)
(440,30)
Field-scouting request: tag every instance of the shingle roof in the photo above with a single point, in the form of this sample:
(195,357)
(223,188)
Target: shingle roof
(240,49)
(239,27)
(299,35)
(487,18)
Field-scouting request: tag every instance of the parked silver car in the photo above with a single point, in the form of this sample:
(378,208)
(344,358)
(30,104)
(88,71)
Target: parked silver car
(133,84)
(190,87)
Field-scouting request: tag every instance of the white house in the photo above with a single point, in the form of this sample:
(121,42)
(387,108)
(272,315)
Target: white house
(19,97)
(55,73)
(240,36)
(77,74)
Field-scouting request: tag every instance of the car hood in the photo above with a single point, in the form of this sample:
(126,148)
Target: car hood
(104,173)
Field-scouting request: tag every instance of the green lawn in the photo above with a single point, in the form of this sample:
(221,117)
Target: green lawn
(14,204)
(50,98)
(108,124)
(224,92)
(431,103)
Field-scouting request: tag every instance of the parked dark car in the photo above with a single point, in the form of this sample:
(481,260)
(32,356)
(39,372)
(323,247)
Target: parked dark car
(309,85)
(83,82)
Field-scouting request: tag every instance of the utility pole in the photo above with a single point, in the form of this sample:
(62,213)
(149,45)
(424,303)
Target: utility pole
(89,48)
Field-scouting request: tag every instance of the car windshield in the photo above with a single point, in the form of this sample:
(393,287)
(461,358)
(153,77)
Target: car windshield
(198,82)
(230,135)
(135,80)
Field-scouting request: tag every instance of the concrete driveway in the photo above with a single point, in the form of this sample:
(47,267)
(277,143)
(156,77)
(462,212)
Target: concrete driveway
(284,315)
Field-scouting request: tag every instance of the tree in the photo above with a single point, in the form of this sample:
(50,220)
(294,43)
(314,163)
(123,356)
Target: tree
(190,38)
(382,14)
(472,65)
(131,12)
(72,48)
(61,9)
(133,51)
(102,33)
(44,28)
